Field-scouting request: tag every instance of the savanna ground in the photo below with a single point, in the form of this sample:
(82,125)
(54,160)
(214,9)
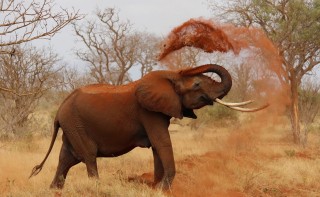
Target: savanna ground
(251,157)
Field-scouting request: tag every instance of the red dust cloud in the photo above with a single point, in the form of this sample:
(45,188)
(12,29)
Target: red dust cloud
(210,37)
(201,34)
(267,60)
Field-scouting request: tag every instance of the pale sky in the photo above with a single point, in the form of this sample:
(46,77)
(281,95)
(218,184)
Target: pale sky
(153,16)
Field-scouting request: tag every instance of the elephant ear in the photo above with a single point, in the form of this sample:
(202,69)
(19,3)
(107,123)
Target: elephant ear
(158,95)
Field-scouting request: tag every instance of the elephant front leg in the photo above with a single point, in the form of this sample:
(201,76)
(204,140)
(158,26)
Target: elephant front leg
(158,167)
(168,166)
(156,126)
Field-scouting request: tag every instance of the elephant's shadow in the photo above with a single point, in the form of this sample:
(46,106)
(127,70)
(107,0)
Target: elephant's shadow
(145,178)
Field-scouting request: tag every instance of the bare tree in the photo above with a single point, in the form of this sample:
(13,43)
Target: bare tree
(27,76)
(148,50)
(112,48)
(24,21)
(73,78)
(293,26)
(242,80)
(186,57)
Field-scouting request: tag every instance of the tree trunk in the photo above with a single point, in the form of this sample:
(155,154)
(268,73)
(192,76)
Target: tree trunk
(294,112)
(22,112)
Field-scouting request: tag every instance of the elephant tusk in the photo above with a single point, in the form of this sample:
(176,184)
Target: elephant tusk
(233,104)
(249,109)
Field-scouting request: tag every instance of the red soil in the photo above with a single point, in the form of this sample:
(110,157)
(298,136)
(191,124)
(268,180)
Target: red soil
(201,34)
(194,177)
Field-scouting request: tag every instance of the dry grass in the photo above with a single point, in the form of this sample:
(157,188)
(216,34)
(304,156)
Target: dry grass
(246,161)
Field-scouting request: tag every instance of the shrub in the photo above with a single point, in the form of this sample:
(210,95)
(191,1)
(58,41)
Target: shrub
(218,114)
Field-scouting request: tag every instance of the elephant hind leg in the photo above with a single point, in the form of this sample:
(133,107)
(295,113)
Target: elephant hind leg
(66,161)
(92,168)
(83,146)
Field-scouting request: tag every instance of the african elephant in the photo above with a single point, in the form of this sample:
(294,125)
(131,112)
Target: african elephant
(107,121)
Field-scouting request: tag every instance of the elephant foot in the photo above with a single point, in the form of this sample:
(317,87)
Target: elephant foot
(57,183)
(165,184)
(56,186)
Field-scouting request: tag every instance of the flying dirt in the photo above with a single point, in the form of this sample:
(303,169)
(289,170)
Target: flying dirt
(198,33)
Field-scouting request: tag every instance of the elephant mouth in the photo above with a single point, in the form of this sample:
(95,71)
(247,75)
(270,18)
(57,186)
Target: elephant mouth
(203,101)
(206,100)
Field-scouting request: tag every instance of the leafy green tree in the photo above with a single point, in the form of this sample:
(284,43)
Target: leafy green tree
(294,28)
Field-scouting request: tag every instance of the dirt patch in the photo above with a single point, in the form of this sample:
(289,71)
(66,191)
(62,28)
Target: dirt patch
(225,174)
(196,177)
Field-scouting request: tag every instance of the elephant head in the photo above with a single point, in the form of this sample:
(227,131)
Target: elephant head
(176,94)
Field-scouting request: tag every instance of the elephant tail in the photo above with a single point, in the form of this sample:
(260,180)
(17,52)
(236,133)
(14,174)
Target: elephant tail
(38,168)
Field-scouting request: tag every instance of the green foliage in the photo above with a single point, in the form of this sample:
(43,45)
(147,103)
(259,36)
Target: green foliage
(293,26)
(295,21)
(290,153)
(217,114)
(309,96)
(272,191)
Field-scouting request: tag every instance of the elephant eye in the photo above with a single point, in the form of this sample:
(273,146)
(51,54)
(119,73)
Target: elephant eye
(196,85)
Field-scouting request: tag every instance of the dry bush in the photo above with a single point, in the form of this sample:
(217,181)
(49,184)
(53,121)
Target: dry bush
(219,116)
(24,79)
(309,106)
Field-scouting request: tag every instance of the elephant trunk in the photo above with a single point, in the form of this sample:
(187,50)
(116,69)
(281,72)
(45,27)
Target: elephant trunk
(226,81)
(223,87)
